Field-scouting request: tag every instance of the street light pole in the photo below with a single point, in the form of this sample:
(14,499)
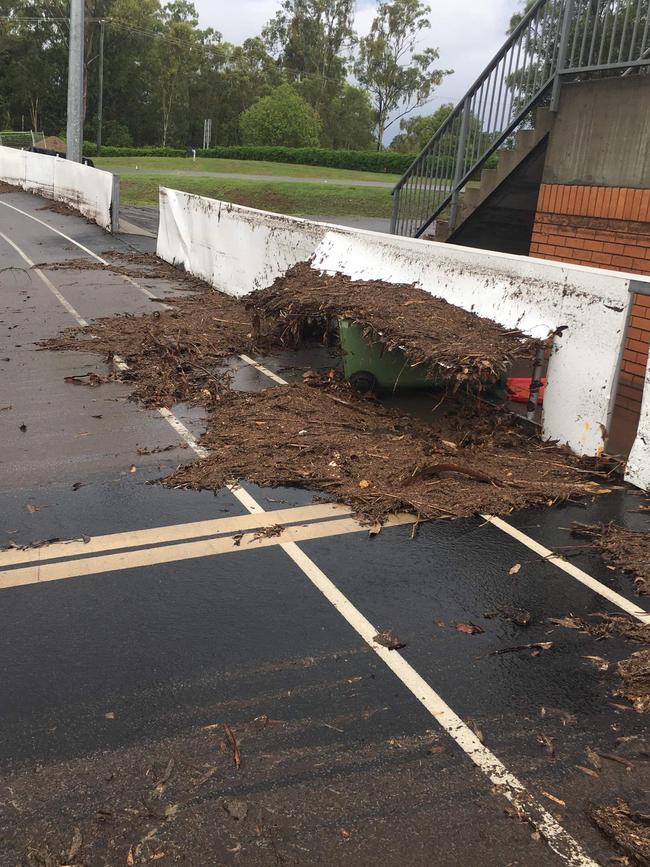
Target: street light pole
(100,100)
(75,81)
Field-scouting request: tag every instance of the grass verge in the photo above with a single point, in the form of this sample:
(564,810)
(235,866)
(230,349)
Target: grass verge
(244,167)
(283,198)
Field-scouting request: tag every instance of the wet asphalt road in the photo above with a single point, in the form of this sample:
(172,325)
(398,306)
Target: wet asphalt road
(105,677)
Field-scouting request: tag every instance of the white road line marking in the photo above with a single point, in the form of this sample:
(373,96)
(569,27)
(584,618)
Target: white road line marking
(56,231)
(38,573)
(183,432)
(559,840)
(264,370)
(129,280)
(173,533)
(570,569)
(71,310)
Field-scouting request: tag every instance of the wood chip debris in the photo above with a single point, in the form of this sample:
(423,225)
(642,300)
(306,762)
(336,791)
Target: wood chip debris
(627,827)
(470,458)
(446,340)
(621,547)
(387,638)
(634,672)
(236,755)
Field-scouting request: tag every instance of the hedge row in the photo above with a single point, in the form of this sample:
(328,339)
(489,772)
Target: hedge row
(366,161)
(90,150)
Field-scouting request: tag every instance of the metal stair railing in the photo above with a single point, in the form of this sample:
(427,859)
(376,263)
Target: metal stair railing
(555,40)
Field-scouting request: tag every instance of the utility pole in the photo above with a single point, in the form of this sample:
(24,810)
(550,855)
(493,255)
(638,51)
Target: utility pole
(100,100)
(75,81)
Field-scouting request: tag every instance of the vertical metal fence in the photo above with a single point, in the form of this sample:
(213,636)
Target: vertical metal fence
(556,38)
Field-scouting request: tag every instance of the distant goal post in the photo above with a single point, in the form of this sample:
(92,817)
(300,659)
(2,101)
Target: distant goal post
(21,140)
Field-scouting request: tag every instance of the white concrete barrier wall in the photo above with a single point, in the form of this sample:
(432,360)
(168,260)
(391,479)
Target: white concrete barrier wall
(235,249)
(87,190)
(638,465)
(239,249)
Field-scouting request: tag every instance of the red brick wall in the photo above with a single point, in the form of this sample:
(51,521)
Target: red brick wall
(604,227)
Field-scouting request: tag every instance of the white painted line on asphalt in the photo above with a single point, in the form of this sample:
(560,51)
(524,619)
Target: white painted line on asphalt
(182,431)
(572,570)
(264,370)
(56,231)
(558,839)
(39,572)
(188,532)
(129,280)
(71,310)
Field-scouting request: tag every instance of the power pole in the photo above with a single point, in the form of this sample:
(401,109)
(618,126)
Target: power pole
(100,100)
(75,81)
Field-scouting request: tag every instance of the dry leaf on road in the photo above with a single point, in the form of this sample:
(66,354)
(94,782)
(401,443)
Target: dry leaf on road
(468,628)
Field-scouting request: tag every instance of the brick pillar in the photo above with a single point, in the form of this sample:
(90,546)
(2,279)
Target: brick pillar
(603,227)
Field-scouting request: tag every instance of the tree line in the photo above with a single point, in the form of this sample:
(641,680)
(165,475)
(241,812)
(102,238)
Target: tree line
(308,79)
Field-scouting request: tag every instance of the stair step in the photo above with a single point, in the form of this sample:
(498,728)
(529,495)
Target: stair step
(507,161)
(442,230)
(525,141)
(471,197)
(488,182)
(544,120)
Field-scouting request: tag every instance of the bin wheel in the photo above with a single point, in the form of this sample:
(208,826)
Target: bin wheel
(363,381)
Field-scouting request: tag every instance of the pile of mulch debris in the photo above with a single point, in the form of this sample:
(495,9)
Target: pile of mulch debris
(54,143)
(628,828)
(377,460)
(8,188)
(634,672)
(321,434)
(445,339)
(173,355)
(625,549)
(138,266)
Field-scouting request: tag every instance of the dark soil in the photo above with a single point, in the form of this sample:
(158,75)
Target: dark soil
(446,339)
(628,550)
(8,188)
(627,828)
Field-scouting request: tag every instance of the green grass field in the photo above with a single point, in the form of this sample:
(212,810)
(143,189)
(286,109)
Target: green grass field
(283,198)
(123,165)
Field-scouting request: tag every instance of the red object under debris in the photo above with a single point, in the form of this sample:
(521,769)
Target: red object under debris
(518,389)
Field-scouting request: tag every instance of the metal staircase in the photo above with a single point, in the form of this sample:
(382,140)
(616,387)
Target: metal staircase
(556,40)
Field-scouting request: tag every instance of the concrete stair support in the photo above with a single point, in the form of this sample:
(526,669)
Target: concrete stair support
(525,141)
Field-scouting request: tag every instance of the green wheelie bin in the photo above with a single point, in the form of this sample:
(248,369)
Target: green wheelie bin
(370,366)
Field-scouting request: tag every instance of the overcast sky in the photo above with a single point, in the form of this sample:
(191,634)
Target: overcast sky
(467,32)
